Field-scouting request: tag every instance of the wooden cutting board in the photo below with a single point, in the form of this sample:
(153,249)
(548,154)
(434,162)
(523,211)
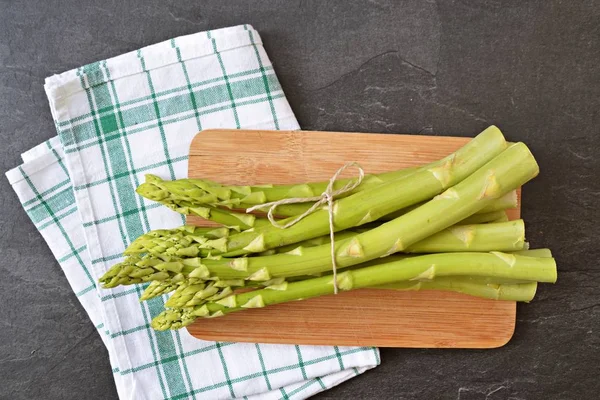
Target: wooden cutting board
(365,317)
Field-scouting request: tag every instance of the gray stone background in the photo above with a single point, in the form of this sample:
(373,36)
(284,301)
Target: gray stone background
(449,67)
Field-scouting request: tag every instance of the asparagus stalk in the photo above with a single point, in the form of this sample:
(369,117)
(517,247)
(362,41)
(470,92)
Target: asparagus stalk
(509,200)
(180,243)
(189,241)
(482,218)
(188,297)
(506,201)
(204,206)
(536,253)
(199,191)
(503,236)
(200,206)
(298,261)
(420,268)
(515,292)
(542,253)
(485,287)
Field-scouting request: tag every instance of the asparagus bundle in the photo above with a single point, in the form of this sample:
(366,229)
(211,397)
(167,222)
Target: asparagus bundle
(441,226)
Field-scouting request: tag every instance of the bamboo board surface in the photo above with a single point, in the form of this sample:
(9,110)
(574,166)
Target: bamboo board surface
(365,317)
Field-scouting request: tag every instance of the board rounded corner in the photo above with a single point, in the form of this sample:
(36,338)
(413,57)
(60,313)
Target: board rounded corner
(505,339)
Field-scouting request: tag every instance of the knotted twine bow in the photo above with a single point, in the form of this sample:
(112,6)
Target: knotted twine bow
(326,197)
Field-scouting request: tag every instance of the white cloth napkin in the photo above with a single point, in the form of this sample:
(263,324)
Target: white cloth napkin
(134,114)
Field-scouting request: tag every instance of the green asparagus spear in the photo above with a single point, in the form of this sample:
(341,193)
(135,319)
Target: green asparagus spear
(509,200)
(485,287)
(541,253)
(420,268)
(503,236)
(482,218)
(470,285)
(199,191)
(188,241)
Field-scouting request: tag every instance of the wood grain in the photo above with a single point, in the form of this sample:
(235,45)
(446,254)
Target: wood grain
(363,317)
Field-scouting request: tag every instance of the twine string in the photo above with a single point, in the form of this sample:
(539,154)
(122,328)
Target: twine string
(327,197)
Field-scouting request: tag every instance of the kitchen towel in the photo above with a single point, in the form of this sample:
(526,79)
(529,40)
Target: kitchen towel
(134,114)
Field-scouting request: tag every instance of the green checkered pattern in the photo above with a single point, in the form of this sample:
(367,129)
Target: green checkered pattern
(134,114)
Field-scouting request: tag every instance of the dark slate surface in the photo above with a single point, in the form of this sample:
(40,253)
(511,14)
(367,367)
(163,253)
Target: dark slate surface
(427,67)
